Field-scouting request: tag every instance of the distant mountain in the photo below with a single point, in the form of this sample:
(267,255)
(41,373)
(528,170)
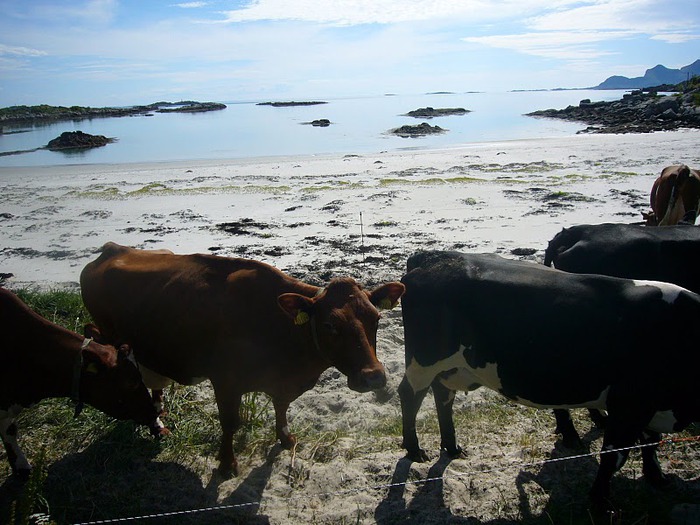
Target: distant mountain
(655,76)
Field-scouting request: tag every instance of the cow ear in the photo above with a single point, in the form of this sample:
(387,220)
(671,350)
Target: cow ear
(387,296)
(296,306)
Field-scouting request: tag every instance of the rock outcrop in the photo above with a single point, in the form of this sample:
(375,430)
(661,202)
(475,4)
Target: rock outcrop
(77,140)
(419,130)
(637,112)
(439,112)
(44,112)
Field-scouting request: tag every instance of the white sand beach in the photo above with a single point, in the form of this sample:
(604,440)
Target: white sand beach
(326,216)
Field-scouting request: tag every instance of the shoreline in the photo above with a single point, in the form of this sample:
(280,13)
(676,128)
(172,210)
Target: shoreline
(320,215)
(559,141)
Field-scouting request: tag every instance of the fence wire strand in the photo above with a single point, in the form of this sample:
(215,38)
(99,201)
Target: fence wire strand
(385,486)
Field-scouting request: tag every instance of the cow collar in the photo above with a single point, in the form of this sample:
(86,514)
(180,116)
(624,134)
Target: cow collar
(77,372)
(312,322)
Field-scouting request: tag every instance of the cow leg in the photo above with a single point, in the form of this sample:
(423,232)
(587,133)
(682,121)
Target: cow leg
(651,468)
(229,404)
(410,403)
(628,416)
(444,399)
(158,400)
(287,439)
(565,427)
(18,461)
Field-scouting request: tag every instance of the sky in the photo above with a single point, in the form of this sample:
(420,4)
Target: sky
(129,52)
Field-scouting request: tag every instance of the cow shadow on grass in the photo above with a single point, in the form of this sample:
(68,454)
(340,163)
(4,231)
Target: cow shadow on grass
(244,501)
(567,484)
(426,506)
(116,476)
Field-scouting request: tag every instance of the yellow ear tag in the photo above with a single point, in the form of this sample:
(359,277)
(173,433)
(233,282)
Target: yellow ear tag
(301,318)
(91,368)
(386,304)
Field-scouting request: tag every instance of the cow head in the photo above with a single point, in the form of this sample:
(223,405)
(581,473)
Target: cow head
(111,382)
(343,321)
(667,197)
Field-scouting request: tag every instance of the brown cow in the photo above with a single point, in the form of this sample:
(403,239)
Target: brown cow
(243,324)
(41,359)
(675,196)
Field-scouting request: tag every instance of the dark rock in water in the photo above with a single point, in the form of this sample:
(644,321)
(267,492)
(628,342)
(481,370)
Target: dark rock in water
(641,111)
(77,140)
(432,112)
(321,123)
(420,130)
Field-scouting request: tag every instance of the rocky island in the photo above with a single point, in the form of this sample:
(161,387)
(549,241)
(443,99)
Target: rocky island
(641,111)
(44,112)
(419,130)
(319,123)
(439,112)
(70,140)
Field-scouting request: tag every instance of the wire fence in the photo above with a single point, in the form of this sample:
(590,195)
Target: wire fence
(388,486)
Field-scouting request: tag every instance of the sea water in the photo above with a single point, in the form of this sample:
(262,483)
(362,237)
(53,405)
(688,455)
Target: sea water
(245,129)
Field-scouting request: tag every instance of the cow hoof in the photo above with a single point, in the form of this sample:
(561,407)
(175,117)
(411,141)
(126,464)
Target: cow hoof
(573,442)
(288,441)
(418,456)
(159,431)
(455,453)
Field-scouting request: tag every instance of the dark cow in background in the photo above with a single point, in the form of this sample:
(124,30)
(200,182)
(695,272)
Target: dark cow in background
(551,339)
(675,196)
(41,359)
(243,324)
(632,251)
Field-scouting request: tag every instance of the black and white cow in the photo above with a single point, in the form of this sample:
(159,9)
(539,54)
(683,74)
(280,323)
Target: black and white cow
(632,251)
(551,339)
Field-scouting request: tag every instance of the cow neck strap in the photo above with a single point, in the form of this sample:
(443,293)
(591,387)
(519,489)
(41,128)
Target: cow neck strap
(77,372)
(312,322)
(314,334)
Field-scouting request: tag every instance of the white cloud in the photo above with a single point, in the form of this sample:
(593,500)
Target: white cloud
(553,44)
(638,16)
(675,38)
(354,12)
(191,5)
(21,51)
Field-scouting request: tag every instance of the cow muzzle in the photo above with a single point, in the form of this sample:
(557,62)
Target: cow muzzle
(368,379)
